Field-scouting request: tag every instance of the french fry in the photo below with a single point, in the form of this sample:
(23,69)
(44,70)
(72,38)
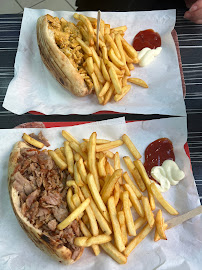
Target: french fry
(132,185)
(107,28)
(84,47)
(77,157)
(88,24)
(139,222)
(60,154)
(83,31)
(76,201)
(156,235)
(128,214)
(137,239)
(101,182)
(89,62)
(92,159)
(131,67)
(138,81)
(69,137)
(159,225)
(124,90)
(58,161)
(116,193)
(122,222)
(131,146)
(96,196)
(117,165)
(115,81)
(113,252)
(82,170)
(63,151)
(83,146)
(69,200)
(104,89)
(109,169)
(93,240)
(148,212)
(109,39)
(135,202)
(101,165)
(96,58)
(119,206)
(110,64)
(85,219)
(69,157)
(115,224)
(102,27)
(108,146)
(121,197)
(109,154)
(109,185)
(108,95)
(104,51)
(151,198)
(104,71)
(99,74)
(97,87)
(134,173)
(128,59)
(120,48)
(99,217)
(127,71)
(72,183)
(157,194)
(32,141)
(129,49)
(98,141)
(115,59)
(122,28)
(77,149)
(86,232)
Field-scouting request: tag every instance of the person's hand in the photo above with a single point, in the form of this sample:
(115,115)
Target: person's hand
(194,14)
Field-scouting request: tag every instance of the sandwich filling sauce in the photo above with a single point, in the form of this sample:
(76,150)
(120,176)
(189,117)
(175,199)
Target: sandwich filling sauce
(42,190)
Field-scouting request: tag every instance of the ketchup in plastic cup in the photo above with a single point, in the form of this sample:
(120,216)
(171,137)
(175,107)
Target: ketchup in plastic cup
(147,38)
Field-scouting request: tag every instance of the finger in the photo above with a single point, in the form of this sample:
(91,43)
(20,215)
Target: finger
(194,15)
(199,21)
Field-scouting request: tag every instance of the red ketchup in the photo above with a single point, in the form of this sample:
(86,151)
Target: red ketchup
(157,152)
(147,38)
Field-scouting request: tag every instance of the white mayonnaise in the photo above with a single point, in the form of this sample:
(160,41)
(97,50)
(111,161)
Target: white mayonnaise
(168,174)
(147,55)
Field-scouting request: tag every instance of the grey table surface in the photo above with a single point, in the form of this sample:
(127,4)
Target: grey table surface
(190,41)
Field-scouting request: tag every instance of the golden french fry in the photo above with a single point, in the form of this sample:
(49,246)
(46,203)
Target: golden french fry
(120,47)
(157,194)
(104,71)
(32,141)
(159,225)
(99,74)
(108,95)
(72,183)
(63,151)
(101,165)
(76,201)
(128,214)
(115,59)
(127,71)
(96,196)
(69,157)
(83,146)
(134,173)
(139,222)
(83,45)
(98,141)
(119,206)
(113,252)
(69,200)
(77,176)
(128,59)
(122,28)
(58,161)
(104,51)
(60,154)
(69,137)
(86,232)
(109,39)
(157,236)
(122,222)
(109,169)
(88,24)
(93,240)
(138,81)
(89,62)
(92,159)
(104,89)
(148,212)
(131,146)
(77,157)
(129,49)
(96,58)
(117,165)
(121,197)
(108,146)
(115,224)
(97,87)
(131,67)
(135,202)
(137,239)
(82,170)
(116,193)
(109,154)
(107,28)
(132,185)
(151,198)
(101,182)
(110,64)
(84,33)
(124,90)
(99,217)
(102,27)
(109,186)
(77,149)
(115,81)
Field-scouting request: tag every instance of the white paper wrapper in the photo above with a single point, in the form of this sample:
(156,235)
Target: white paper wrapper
(34,88)
(182,250)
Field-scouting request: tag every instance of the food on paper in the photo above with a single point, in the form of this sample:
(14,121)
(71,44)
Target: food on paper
(70,53)
(78,196)
(157,152)
(147,56)
(168,174)
(147,38)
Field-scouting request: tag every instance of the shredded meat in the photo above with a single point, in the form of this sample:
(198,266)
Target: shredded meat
(42,190)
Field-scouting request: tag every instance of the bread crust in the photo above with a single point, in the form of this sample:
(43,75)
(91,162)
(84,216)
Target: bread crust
(57,62)
(42,241)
